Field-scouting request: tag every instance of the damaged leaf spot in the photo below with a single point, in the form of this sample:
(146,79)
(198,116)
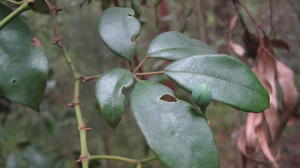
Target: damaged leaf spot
(134,38)
(123,91)
(168,98)
(13,81)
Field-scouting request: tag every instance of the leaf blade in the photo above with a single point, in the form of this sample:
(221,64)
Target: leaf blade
(109,94)
(178,135)
(232,82)
(118,28)
(23,67)
(173,45)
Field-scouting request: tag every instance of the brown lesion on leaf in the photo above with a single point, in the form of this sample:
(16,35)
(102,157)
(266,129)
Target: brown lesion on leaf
(13,81)
(168,98)
(134,38)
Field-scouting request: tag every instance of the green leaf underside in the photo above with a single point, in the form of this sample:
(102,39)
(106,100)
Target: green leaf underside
(23,67)
(231,81)
(118,28)
(109,94)
(174,45)
(175,131)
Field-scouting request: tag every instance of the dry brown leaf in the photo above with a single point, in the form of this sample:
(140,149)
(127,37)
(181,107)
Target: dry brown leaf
(262,131)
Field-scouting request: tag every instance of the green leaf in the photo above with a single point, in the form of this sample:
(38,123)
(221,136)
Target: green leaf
(174,130)
(119,28)
(23,66)
(231,81)
(109,94)
(174,45)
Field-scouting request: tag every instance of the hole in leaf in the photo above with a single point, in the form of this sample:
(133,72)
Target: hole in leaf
(13,81)
(134,38)
(168,98)
(123,91)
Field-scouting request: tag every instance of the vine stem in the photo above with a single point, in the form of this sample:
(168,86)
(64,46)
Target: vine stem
(23,7)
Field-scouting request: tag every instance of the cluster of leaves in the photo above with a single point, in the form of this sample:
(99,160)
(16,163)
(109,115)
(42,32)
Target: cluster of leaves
(174,129)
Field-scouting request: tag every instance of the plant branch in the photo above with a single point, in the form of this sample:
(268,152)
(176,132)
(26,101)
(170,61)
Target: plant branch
(141,64)
(123,159)
(88,78)
(82,127)
(149,159)
(257,26)
(148,73)
(111,157)
(16,2)
(25,6)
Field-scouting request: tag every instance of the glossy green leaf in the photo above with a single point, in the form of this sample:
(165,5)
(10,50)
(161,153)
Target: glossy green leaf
(174,45)
(23,66)
(119,28)
(109,94)
(231,81)
(174,130)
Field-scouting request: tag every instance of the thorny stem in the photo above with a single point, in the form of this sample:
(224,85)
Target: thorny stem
(82,128)
(25,6)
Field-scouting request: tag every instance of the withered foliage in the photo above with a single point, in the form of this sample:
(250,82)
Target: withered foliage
(259,136)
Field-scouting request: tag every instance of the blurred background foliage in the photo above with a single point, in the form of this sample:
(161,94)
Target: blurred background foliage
(49,138)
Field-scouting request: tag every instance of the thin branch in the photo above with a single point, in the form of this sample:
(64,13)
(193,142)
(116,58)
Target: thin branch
(271,19)
(149,73)
(25,6)
(257,26)
(15,2)
(149,159)
(111,157)
(88,78)
(123,159)
(187,16)
(236,7)
(140,64)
